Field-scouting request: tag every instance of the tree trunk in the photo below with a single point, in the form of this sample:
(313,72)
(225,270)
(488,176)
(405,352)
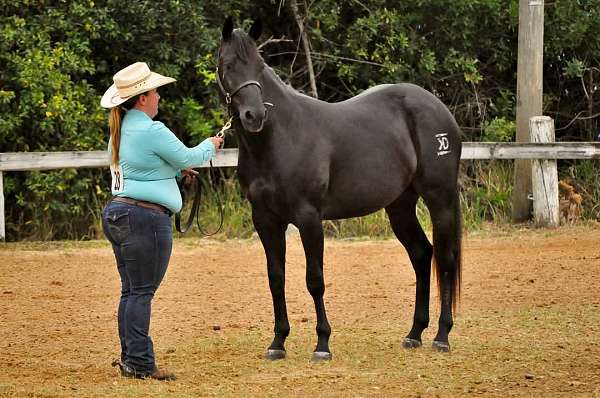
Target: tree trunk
(306,46)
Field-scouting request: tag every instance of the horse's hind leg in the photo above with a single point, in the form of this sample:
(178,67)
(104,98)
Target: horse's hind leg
(444,208)
(407,229)
(272,235)
(309,224)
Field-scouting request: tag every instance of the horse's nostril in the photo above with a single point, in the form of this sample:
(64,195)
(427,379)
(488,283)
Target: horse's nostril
(249,115)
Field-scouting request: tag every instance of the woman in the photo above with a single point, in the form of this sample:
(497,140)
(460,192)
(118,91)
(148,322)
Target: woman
(145,159)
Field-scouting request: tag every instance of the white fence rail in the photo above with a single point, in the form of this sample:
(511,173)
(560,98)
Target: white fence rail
(26,161)
(514,150)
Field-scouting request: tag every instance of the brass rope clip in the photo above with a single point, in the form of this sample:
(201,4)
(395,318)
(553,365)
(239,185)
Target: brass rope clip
(227,126)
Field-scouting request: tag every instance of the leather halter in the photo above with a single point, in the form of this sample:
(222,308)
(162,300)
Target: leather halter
(229,96)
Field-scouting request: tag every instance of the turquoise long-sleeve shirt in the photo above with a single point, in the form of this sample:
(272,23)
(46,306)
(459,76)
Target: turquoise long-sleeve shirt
(150,156)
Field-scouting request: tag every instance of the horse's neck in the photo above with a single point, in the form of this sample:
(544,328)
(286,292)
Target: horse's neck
(275,90)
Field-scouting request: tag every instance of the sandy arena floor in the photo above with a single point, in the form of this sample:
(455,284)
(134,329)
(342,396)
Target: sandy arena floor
(58,304)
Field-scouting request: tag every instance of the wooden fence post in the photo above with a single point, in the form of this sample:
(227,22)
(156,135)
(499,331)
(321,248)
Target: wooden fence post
(530,78)
(2,229)
(544,175)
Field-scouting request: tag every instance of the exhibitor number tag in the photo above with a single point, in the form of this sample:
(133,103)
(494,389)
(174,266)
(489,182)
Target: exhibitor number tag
(118,184)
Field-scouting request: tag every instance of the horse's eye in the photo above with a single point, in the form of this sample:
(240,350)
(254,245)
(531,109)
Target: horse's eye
(228,67)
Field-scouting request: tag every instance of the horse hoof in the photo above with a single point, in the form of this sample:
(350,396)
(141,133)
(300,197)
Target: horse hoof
(274,355)
(320,356)
(411,343)
(440,346)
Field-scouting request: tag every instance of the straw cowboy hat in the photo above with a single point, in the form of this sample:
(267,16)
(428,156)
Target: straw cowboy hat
(133,80)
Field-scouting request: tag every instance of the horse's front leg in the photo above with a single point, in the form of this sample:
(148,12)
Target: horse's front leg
(311,233)
(272,235)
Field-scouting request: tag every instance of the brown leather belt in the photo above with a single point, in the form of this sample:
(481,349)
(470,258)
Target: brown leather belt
(141,203)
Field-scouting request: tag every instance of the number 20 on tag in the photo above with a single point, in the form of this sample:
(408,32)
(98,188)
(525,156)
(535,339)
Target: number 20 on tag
(118,184)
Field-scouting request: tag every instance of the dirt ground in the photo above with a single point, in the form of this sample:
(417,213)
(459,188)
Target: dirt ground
(528,323)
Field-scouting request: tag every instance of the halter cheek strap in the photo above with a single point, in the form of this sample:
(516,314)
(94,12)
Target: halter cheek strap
(229,96)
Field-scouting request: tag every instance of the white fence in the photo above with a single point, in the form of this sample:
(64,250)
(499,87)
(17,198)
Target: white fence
(25,161)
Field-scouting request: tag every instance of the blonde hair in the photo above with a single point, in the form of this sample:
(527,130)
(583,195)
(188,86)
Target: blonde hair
(114,125)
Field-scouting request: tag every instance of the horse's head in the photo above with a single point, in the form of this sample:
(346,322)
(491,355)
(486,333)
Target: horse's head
(239,73)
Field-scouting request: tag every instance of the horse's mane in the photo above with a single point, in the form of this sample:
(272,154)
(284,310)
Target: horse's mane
(287,86)
(276,76)
(244,45)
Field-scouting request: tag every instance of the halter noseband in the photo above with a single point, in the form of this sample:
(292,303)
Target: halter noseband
(229,96)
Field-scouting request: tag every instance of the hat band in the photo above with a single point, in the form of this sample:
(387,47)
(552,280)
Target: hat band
(135,83)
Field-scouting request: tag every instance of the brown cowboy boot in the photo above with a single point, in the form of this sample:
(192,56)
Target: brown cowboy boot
(156,373)
(161,374)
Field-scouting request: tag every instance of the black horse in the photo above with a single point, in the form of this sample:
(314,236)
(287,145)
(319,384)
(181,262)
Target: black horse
(303,160)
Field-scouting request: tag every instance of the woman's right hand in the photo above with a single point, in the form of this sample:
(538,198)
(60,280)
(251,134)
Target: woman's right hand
(217,142)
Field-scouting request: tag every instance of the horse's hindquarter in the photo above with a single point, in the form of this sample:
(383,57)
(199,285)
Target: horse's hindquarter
(383,140)
(435,134)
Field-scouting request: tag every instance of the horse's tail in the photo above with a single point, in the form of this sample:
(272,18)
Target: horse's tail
(447,244)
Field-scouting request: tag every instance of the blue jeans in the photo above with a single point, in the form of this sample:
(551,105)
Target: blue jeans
(142,241)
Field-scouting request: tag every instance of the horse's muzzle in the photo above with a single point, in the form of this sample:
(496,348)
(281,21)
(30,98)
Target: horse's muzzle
(253,120)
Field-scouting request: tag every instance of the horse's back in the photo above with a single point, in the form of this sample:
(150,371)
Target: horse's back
(383,140)
(405,110)
(434,133)
(406,99)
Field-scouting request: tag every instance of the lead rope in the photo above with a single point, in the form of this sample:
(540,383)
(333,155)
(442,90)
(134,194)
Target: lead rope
(211,171)
(195,212)
(198,195)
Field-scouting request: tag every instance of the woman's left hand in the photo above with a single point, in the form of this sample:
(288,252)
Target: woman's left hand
(187,175)
(217,142)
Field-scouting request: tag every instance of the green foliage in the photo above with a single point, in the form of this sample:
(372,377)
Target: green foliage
(57,58)
(48,104)
(449,47)
(374,225)
(499,129)
(572,56)
(486,190)
(574,68)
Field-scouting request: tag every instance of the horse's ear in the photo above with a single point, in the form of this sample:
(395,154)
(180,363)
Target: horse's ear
(255,30)
(228,28)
